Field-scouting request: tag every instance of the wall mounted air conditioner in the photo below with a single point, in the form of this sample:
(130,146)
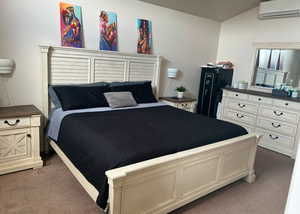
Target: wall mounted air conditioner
(279,9)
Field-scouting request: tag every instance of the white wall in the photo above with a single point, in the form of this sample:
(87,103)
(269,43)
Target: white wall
(239,33)
(185,41)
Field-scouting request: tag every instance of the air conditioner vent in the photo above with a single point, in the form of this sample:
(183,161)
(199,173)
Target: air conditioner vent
(279,9)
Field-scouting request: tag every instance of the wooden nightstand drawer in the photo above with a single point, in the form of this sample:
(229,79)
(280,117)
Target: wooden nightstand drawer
(187,104)
(184,106)
(14,123)
(15,145)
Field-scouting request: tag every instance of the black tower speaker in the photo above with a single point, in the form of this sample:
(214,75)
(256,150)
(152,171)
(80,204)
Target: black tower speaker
(210,92)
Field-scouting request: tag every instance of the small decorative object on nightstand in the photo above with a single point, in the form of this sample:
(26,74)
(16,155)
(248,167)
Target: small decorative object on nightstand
(19,138)
(180,91)
(187,104)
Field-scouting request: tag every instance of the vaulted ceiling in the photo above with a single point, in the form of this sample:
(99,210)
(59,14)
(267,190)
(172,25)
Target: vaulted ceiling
(218,10)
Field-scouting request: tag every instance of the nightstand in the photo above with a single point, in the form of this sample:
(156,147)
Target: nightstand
(187,104)
(19,138)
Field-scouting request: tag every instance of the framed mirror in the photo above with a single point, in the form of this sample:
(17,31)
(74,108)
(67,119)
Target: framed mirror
(276,65)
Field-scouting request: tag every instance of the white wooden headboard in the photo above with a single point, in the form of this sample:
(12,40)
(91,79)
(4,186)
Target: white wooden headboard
(64,65)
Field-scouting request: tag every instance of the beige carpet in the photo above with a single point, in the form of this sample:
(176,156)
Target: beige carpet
(53,190)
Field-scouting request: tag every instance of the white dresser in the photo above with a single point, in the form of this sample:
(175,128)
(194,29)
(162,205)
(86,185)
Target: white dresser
(277,120)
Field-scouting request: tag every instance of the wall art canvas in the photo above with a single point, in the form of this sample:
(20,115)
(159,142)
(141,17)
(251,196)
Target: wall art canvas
(144,45)
(108,31)
(71,25)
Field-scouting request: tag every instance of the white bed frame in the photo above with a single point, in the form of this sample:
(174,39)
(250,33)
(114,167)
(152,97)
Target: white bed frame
(158,185)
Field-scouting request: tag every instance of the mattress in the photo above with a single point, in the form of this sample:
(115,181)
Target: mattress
(97,141)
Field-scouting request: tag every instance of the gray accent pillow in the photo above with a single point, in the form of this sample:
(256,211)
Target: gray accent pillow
(120,99)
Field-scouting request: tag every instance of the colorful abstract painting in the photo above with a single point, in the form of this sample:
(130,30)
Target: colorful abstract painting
(71,25)
(108,31)
(144,45)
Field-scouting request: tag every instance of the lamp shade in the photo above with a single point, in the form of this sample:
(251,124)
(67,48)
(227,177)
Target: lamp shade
(172,72)
(6,66)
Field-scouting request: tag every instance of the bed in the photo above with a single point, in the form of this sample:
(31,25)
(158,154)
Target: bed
(175,173)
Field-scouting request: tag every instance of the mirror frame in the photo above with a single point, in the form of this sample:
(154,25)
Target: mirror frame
(271,45)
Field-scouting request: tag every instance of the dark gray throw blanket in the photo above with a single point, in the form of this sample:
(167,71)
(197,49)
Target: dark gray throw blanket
(97,142)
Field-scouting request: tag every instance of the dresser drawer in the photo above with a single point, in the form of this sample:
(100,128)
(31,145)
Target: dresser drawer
(241,105)
(280,143)
(240,117)
(277,126)
(14,123)
(250,129)
(236,95)
(279,114)
(259,99)
(287,104)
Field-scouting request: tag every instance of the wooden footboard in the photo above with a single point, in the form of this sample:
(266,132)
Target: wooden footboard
(163,184)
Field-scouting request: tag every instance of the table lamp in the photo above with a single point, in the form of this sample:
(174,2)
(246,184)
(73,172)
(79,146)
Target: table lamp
(172,73)
(6,66)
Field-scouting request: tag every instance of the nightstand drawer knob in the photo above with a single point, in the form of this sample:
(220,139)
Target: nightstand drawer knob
(12,124)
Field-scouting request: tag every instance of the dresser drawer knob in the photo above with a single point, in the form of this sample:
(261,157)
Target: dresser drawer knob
(259,99)
(286,104)
(239,116)
(278,113)
(12,124)
(29,135)
(276,126)
(272,137)
(236,95)
(242,105)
